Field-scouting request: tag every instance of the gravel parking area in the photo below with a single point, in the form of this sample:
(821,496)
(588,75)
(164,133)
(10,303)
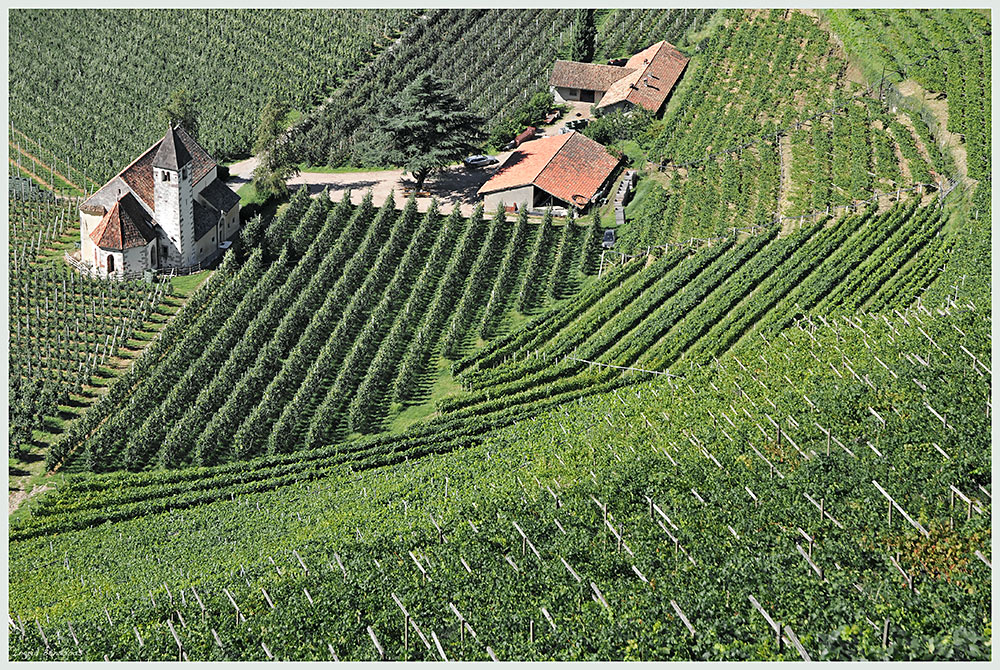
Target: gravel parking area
(454,186)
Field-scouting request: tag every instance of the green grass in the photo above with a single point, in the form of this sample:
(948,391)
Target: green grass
(444,385)
(633,152)
(292,117)
(183,287)
(249,195)
(642,189)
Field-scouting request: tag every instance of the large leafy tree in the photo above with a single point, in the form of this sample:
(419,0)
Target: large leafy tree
(272,173)
(272,125)
(180,108)
(274,166)
(424,128)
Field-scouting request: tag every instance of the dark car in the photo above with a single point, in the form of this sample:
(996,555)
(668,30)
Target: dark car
(609,239)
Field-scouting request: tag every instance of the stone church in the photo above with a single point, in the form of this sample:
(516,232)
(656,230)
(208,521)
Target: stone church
(167,209)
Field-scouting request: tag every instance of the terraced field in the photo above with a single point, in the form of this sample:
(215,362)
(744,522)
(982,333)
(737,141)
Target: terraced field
(670,513)
(686,308)
(321,333)
(70,335)
(374,433)
(767,126)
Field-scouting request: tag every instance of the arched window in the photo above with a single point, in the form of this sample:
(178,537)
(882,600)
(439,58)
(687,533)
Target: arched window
(111,263)
(152,256)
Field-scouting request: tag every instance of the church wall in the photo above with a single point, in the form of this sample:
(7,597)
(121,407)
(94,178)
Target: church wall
(87,224)
(89,221)
(232,223)
(174,211)
(204,181)
(135,259)
(208,243)
(100,258)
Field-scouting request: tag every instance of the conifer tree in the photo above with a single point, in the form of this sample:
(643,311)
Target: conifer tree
(424,128)
(583,36)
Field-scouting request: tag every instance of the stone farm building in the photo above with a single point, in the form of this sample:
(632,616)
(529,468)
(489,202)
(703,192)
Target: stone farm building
(558,171)
(645,80)
(167,209)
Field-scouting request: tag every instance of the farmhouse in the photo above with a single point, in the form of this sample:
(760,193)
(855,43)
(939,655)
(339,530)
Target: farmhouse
(560,170)
(167,209)
(646,80)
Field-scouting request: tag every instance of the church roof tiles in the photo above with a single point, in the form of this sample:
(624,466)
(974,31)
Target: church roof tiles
(126,225)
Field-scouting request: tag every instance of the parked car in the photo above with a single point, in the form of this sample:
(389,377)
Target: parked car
(609,239)
(480,161)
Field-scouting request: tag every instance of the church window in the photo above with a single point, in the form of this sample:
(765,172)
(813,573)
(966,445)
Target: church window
(111,263)
(165,176)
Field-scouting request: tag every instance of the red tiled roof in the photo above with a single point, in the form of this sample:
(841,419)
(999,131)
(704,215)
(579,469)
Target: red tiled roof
(579,168)
(524,164)
(564,165)
(126,226)
(656,69)
(588,76)
(138,175)
(640,60)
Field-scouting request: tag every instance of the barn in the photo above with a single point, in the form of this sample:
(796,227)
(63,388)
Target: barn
(646,80)
(557,171)
(583,82)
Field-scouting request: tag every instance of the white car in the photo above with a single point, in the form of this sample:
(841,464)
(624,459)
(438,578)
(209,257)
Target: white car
(479,161)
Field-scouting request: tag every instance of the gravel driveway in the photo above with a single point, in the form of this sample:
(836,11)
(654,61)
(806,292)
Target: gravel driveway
(456,185)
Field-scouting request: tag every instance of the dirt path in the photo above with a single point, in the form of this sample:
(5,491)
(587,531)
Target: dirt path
(31,174)
(454,186)
(83,177)
(918,141)
(939,107)
(38,161)
(241,172)
(17,498)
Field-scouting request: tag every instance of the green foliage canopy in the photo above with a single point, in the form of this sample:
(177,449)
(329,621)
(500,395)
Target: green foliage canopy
(424,128)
